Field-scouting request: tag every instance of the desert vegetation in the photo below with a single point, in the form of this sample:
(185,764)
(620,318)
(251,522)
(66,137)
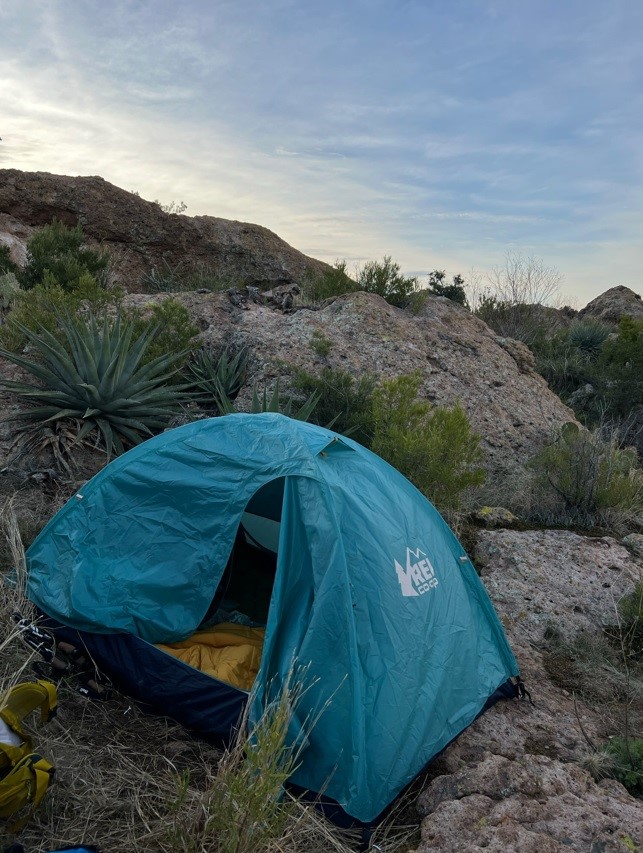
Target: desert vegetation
(97,376)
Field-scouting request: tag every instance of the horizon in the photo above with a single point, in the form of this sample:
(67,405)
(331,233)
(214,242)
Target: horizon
(441,137)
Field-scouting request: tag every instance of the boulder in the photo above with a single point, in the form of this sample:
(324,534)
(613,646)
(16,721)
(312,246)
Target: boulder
(458,357)
(140,235)
(511,781)
(615,303)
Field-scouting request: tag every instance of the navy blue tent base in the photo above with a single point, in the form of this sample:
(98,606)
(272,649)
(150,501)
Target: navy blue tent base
(156,680)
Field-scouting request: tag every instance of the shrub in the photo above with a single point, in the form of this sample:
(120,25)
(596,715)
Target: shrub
(627,767)
(9,290)
(174,333)
(101,388)
(165,278)
(455,291)
(593,480)
(56,257)
(320,344)
(6,264)
(183,276)
(433,446)
(333,281)
(630,627)
(622,363)
(386,280)
(43,308)
(344,402)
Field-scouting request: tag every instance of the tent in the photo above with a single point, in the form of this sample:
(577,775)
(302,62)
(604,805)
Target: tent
(356,577)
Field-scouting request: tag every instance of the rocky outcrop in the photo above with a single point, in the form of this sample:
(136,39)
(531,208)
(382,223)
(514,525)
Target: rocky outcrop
(512,780)
(459,358)
(615,303)
(140,236)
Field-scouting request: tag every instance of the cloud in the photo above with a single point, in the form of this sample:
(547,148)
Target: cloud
(438,134)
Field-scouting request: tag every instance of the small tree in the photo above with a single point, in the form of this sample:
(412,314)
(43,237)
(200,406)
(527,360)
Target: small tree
(387,281)
(524,280)
(438,286)
(433,446)
(512,303)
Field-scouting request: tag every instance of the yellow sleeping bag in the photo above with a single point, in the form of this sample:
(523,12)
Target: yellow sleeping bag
(227,651)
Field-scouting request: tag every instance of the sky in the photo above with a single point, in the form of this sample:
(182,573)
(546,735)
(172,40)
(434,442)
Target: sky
(443,133)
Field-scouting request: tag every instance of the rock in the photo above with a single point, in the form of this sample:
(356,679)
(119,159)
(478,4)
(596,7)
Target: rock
(510,781)
(539,577)
(615,303)
(457,355)
(581,395)
(140,236)
(494,516)
(530,804)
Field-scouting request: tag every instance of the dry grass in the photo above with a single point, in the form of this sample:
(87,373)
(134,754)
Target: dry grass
(128,782)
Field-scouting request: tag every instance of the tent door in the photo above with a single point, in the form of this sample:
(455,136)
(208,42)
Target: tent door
(245,589)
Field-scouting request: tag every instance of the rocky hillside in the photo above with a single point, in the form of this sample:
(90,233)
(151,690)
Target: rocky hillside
(140,236)
(515,779)
(458,356)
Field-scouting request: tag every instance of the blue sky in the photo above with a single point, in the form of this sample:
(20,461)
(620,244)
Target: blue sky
(442,132)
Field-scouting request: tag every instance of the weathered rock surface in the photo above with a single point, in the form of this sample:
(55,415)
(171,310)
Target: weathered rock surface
(458,356)
(139,235)
(533,805)
(510,782)
(615,303)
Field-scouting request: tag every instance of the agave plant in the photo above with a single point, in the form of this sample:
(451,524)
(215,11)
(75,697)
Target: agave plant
(97,380)
(273,404)
(221,376)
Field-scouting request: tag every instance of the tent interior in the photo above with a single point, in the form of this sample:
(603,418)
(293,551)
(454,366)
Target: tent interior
(229,640)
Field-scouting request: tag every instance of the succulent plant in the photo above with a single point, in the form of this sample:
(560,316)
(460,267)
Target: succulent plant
(98,380)
(220,376)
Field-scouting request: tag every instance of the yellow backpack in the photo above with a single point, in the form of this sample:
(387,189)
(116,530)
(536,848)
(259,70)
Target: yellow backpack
(24,775)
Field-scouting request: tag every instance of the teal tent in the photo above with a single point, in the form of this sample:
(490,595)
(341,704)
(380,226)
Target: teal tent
(369,590)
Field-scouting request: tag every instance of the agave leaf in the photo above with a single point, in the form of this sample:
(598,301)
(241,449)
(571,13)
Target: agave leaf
(113,373)
(308,407)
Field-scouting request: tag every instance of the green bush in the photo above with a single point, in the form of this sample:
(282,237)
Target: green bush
(56,257)
(627,767)
(622,363)
(592,479)
(98,383)
(6,264)
(174,332)
(433,446)
(523,322)
(320,344)
(344,402)
(43,308)
(437,286)
(333,281)
(386,280)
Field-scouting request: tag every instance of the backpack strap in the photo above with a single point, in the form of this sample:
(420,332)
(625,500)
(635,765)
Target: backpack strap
(26,783)
(24,775)
(25,698)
